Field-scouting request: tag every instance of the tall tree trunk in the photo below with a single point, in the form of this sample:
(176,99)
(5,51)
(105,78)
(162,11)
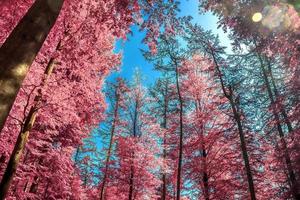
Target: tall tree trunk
(164,125)
(23,136)
(135,134)
(131,181)
(20,49)
(164,176)
(205,177)
(237,118)
(228,93)
(110,146)
(276,93)
(180,135)
(291,174)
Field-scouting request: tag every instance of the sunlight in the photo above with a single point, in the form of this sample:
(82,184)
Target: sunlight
(257,17)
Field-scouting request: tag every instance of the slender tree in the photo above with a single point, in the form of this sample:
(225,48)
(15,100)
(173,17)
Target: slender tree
(168,58)
(204,42)
(162,96)
(116,93)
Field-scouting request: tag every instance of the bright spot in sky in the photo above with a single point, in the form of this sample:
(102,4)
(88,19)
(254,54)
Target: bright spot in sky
(257,17)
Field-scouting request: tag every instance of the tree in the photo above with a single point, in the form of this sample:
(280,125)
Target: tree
(211,163)
(161,108)
(136,150)
(204,42)
(21,47)
(117,16)
(79,114)
(168,58)
(116,92)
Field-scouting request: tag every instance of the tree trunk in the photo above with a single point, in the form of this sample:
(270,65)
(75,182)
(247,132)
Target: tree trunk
(130,195)
(205,176)
(16,154)
(20,49)
(164,125)
(23,137)
(180,136)
(204,153)
(110,146)
(276,93)
(164,178)
(237,118)
(291,174)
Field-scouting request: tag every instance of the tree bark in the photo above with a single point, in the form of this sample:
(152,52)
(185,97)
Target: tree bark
(16,154)
(23,137)
(20,49)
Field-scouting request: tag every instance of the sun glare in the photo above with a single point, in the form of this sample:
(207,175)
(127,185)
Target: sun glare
(257,17)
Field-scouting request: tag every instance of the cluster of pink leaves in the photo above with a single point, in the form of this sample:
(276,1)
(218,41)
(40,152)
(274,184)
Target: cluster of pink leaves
(72,103)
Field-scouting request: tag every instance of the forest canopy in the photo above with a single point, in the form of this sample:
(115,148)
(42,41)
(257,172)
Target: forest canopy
(219,120)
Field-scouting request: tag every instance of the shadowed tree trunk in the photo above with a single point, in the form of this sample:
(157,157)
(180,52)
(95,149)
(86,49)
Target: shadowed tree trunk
(276,93)
(135,134)
(205,177)
(130,195)
(228,93)
(291,174)
(204,154)
(164,125)
(20,49)
(180,135)
(23,136)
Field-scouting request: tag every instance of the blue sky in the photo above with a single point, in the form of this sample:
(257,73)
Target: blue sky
(133,58)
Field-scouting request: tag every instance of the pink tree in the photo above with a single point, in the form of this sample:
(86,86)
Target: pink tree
(136,151)
(75,105)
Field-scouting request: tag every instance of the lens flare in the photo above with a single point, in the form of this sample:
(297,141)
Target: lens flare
(257,17)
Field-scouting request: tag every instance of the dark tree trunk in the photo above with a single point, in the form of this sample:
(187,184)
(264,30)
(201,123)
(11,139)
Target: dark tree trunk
(276,93)
(291,174)
(20,49)
(180,136)
(205,177)
(131,182)
(228,93)
(237,118)
(164,125)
